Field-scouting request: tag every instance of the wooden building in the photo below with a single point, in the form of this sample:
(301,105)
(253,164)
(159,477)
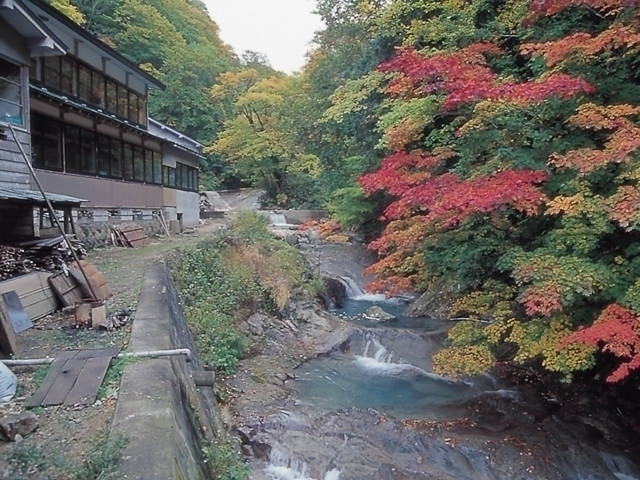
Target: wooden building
(74,123)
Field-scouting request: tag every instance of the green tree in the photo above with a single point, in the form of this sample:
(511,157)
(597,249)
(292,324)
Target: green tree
(259,137)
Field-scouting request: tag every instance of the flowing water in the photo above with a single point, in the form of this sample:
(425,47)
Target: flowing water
(372,408)
(370,375)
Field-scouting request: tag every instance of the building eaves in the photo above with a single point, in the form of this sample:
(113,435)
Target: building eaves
(86,108)
(40,39)
(171,136)
(48,11)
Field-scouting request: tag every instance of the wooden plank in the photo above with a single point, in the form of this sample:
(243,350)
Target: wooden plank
(108,352)
(74,378)
(134,235)
(66,289)
(96,278)
(85,389)
(64,382)
(20,321)
(57,366)
(35,293)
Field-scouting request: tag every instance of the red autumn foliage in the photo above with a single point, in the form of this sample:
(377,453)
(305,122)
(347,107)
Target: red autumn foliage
(615,331)
(448,199)
(464,76)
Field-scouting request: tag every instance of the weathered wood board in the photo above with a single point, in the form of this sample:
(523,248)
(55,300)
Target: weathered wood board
(34,292)
(74,378)
(67,289)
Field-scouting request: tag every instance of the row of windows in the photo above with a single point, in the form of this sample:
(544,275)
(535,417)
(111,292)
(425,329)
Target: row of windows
(11,108)
(70,77)
(67,148)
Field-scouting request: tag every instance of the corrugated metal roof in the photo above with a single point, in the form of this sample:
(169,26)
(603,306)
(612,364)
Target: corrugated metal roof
(35,197)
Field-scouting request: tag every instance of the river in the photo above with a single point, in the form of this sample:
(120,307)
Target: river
(334,396)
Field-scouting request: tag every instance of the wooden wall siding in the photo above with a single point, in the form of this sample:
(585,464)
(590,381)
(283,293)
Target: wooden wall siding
(14,172)
(102,192)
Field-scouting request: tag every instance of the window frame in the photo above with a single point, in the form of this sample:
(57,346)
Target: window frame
(16,113)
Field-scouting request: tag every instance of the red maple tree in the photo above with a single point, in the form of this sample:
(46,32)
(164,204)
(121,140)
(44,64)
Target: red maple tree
(615,331)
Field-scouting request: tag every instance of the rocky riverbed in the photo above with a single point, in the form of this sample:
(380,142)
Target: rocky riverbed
(488,430)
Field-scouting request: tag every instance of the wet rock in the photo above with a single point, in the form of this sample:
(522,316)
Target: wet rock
(430,304)
(335,292)
(16,426)
(338,339)
(378,314)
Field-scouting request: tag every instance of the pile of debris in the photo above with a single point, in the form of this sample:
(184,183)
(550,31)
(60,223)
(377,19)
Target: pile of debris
(49,254)
(128,235)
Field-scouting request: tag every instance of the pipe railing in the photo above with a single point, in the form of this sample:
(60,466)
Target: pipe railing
(11,362)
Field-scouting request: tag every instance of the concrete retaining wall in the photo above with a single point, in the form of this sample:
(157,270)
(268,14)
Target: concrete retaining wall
(166,418)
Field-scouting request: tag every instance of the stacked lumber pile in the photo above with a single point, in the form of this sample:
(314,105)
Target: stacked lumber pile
(129,235)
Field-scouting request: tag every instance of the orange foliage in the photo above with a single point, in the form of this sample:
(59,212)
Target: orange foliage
(614,38)
(544,299)
(622,142)
(547,8)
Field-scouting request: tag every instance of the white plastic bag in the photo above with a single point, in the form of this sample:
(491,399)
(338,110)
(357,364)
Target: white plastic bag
(8,383)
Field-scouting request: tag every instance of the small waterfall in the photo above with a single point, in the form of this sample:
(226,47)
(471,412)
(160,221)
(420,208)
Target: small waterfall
(284,467)
(277,219)
(377,360)
(356,292)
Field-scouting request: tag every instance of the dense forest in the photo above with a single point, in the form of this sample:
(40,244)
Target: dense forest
(488,150)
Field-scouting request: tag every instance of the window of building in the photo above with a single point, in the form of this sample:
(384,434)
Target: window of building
(104,155)
(46,144)
(168,176)
(84,83)
(133,107)
(51,72)
(127,161)
(67,75)
(112,96)
(123,102)
(75,79)
(72,149)
(115,161)
(11,106)
(138,162)
(142,110)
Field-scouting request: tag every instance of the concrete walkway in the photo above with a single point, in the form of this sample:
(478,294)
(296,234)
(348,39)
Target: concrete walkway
(151,410)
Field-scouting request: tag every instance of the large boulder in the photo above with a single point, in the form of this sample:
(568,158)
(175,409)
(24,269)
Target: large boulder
(376,313)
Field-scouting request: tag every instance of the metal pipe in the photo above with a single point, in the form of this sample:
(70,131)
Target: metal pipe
(149,353)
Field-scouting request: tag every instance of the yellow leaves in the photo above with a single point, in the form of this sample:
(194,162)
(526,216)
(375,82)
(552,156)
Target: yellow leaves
(568,205)
(496,332)
(468,360)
